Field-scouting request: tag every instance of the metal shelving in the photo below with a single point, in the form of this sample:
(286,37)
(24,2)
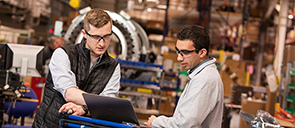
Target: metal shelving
(133,93)
(151,89)
(149,86)
(290,71)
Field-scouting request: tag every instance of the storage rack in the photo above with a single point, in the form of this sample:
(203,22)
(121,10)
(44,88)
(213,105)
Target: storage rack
(154,88)
(287,96)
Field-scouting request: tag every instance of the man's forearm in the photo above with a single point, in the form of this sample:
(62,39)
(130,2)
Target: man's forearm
(75,95)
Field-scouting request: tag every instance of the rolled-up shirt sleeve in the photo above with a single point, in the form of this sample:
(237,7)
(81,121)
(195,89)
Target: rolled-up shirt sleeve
(60,69)
(113,86)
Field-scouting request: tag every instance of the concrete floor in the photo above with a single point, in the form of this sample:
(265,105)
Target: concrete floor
(28,121)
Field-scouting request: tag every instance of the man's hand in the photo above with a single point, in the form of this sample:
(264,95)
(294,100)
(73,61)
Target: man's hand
(72,108)
(150,121)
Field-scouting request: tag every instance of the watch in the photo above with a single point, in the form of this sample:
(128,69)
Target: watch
(85,108)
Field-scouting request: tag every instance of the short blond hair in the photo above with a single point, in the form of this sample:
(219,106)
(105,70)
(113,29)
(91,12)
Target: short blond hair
(96,17)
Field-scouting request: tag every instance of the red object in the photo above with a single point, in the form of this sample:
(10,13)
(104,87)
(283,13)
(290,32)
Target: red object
(27,84)
(283,115)
(50,30)
(36,82)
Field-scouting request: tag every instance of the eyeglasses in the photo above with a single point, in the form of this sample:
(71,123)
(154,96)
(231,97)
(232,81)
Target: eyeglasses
(98,38)
(185,53)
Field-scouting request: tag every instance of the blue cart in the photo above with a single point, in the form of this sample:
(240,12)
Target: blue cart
(72,121)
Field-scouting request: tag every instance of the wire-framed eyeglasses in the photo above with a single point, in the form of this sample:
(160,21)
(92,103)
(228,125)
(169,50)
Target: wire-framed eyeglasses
(98,38)
(184,52)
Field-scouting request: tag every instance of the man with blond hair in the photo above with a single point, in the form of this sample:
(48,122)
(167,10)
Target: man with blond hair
(80,68)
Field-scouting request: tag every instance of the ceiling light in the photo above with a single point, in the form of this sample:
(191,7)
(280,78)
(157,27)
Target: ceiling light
(278,7)
(149,9)
(290,17)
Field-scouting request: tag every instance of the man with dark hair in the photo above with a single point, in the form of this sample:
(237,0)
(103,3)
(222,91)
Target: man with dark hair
(201,103)
(81,68)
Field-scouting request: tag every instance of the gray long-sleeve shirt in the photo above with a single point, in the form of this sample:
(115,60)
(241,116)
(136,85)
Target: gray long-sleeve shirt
(201,103)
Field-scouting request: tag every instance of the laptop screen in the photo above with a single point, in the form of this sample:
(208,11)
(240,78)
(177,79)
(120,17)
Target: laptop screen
(110,109)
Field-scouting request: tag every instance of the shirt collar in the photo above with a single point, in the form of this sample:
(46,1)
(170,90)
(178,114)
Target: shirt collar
(190,71)
(201,66)
(97,61)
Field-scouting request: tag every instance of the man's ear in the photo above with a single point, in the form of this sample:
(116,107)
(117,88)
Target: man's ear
(84,33)
(203,52)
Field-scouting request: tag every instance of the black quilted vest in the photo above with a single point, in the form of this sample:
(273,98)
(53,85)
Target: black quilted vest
(47,115)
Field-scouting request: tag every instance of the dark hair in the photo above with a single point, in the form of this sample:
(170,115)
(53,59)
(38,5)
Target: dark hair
(51,39)
(197,34)
(96,17)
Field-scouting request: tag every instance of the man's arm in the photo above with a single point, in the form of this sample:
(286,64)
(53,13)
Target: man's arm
(113,86)
(64,79)
(74,95)
(194,105)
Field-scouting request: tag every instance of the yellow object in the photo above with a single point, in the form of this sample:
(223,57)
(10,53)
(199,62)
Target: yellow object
(221,55)
(111,55)
(247,78)
(75,3)
(277,106)
(144,90)
(124,97)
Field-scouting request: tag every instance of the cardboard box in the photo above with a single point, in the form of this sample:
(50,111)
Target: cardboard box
(286,124)
(29,80)
(155,24)
(251,106)
(237,67)
(167,108)
(289,53)
(170,42)
(252,38)
(256,8)
(270,102)
(172,57)
(253,28)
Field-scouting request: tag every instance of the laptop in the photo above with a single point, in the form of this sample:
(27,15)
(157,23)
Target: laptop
(110,109)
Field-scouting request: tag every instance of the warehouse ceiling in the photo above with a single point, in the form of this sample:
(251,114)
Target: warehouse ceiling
(18,9)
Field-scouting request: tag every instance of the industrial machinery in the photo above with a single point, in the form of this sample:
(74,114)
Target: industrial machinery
(128,41)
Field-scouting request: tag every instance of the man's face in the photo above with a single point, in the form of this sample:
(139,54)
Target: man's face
(188,60)
(58,43)
(98,39)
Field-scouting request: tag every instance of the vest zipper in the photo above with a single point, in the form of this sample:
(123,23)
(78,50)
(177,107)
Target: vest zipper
(87,76)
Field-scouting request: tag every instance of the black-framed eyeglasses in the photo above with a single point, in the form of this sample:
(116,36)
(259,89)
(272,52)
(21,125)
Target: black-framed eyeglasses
(184,52)
(98,38)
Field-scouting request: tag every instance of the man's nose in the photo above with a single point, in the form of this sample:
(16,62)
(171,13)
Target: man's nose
(179,57)
(101,42)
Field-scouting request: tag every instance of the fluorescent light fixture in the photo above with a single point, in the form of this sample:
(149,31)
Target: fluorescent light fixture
(156,1)
(162,6)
